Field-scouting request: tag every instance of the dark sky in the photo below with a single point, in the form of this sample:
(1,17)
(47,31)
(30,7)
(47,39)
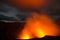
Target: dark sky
(9,11)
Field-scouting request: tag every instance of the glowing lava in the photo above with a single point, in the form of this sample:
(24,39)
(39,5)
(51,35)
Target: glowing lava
(38,26)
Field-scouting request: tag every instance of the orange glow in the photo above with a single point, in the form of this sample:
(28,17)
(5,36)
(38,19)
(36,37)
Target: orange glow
(38,26)
(30,3)
(24,35)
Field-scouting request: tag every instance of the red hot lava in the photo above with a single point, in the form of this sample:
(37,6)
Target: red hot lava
(38,26)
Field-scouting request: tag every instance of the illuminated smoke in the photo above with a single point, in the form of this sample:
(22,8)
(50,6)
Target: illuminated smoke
(38,26)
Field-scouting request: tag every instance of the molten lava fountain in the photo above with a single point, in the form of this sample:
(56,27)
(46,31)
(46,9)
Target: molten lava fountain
(38,26)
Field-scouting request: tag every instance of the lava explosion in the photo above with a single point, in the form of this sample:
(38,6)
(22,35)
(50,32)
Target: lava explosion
(38,26)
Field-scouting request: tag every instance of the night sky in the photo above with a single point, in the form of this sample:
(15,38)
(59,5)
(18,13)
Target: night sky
(18,15)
